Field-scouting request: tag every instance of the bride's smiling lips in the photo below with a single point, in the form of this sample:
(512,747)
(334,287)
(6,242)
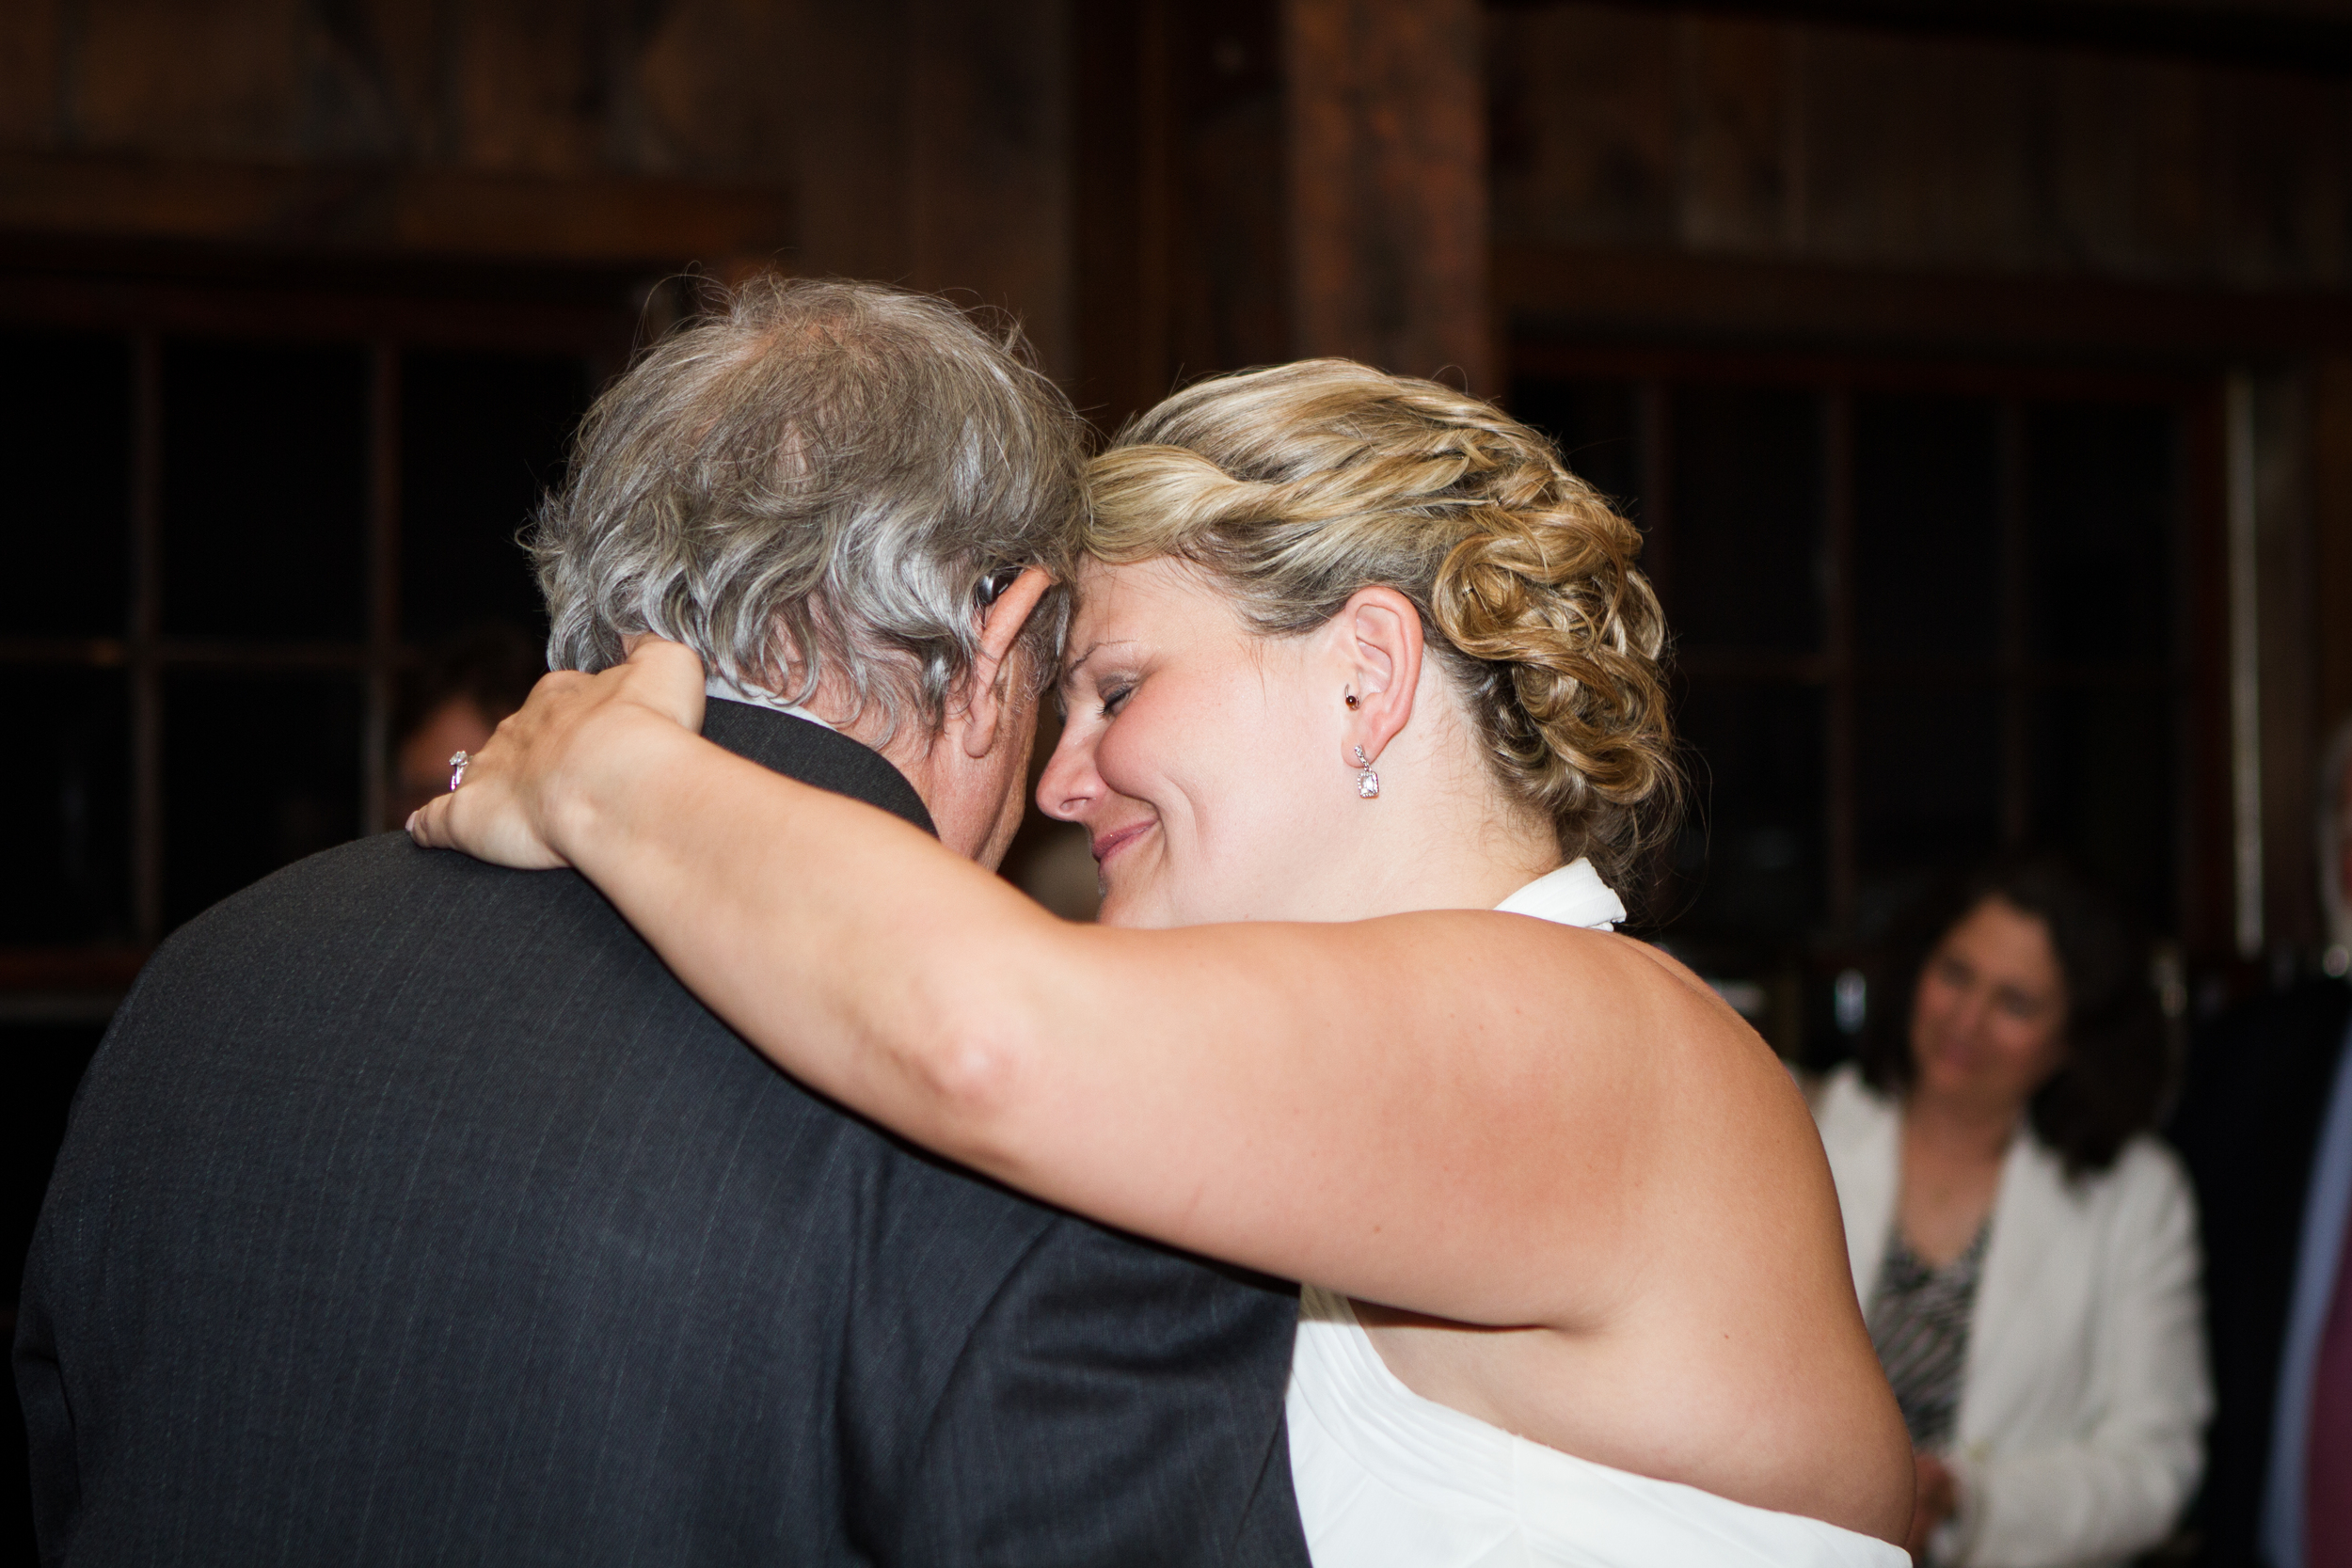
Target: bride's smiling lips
(1111,843)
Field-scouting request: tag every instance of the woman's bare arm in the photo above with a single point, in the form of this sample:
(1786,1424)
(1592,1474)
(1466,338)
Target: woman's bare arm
(1466,1113)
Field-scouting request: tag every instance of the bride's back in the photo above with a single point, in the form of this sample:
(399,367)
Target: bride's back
(1359,646)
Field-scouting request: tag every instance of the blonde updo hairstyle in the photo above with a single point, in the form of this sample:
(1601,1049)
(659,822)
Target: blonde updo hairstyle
(1295,487)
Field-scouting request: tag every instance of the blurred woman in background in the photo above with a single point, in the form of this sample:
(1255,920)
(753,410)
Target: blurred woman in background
(2026,1254)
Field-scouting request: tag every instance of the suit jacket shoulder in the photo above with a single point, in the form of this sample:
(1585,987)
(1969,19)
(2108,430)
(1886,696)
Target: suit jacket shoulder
(412,1209)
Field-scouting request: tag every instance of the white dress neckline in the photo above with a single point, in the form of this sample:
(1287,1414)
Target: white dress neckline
(1572,896)
(1387,1479)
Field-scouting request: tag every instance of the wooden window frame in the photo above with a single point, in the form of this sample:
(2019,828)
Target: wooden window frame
(385,311)
(2196,675)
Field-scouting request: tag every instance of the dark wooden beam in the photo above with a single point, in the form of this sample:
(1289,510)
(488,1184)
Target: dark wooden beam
(1658,299)
(384,209)
(2271,38)
(1388,184)
(185,287)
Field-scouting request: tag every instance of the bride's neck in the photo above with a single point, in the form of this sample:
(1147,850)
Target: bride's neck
(1442,835)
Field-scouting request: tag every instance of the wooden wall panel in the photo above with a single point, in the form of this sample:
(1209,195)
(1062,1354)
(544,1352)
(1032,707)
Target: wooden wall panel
(702,88)
(1921,154)
(202,78)
(2126,189)
(850,151)
(1387,200)
(988,176)
(714,88)
(1623,125)
(1182,224)
(1739,186)
(936,150)
(394,212)
(1227,223)
(390,55)
(510,128)
(2280,214)
(535,88)
(931,138)
(32,39)
(1584,125)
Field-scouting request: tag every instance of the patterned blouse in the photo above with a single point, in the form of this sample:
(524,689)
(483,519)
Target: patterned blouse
(1918,1321)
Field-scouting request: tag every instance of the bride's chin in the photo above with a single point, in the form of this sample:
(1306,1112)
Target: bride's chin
(1120,909)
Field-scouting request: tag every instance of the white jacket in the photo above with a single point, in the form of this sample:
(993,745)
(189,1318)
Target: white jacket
(2082,1408)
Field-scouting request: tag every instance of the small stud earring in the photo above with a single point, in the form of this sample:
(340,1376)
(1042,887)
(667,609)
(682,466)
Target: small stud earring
(1367,781)
(1351,699)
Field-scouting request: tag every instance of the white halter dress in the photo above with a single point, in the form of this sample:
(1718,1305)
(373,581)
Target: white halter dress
(1387,1479)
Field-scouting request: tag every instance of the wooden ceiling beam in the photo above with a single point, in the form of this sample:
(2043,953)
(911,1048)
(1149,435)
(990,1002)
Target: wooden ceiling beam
(2310,39)
(396,211)
(1663,298)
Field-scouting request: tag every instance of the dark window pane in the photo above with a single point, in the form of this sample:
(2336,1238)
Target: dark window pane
(1926,537)
(1928,785)
(1746,519)
(265,491)
(259,771)
(1595,423)
(2103,790)
(65,796)
(481,436)
(2099,507)
(1749,865)
(65,461)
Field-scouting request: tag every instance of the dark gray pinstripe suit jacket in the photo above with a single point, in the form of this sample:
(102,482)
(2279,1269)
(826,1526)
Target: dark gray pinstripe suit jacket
(411,1212)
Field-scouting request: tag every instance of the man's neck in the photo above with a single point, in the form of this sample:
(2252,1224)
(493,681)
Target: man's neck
(918,752)
(717,685)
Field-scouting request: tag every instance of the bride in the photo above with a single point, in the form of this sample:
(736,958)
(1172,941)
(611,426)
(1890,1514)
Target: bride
(1363,709)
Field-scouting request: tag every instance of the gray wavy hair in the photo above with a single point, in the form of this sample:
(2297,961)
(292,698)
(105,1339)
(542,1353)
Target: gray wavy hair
(816,475)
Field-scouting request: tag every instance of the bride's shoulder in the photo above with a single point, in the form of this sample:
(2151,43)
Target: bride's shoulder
(1681,973)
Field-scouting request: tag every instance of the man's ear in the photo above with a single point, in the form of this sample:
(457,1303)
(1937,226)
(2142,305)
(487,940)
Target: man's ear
(1380,645)
(982,699)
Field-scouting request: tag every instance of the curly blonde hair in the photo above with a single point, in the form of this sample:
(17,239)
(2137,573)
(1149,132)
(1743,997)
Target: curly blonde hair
(1299,484)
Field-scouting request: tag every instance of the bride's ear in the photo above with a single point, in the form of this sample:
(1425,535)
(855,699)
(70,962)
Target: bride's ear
(1380,641)
(982,699)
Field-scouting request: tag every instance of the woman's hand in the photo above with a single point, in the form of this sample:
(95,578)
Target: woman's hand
(526,790)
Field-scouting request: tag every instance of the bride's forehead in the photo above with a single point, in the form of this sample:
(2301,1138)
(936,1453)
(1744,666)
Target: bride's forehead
(1142,590)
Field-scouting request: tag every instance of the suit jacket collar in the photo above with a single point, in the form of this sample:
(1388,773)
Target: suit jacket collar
(815,755)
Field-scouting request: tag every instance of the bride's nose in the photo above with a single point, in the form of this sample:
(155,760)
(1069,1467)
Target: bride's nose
(1070,783)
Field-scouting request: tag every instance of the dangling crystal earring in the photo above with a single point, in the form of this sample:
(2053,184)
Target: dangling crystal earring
(1367,781)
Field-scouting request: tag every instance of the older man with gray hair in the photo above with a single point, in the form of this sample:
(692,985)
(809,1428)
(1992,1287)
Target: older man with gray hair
(412,1212)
